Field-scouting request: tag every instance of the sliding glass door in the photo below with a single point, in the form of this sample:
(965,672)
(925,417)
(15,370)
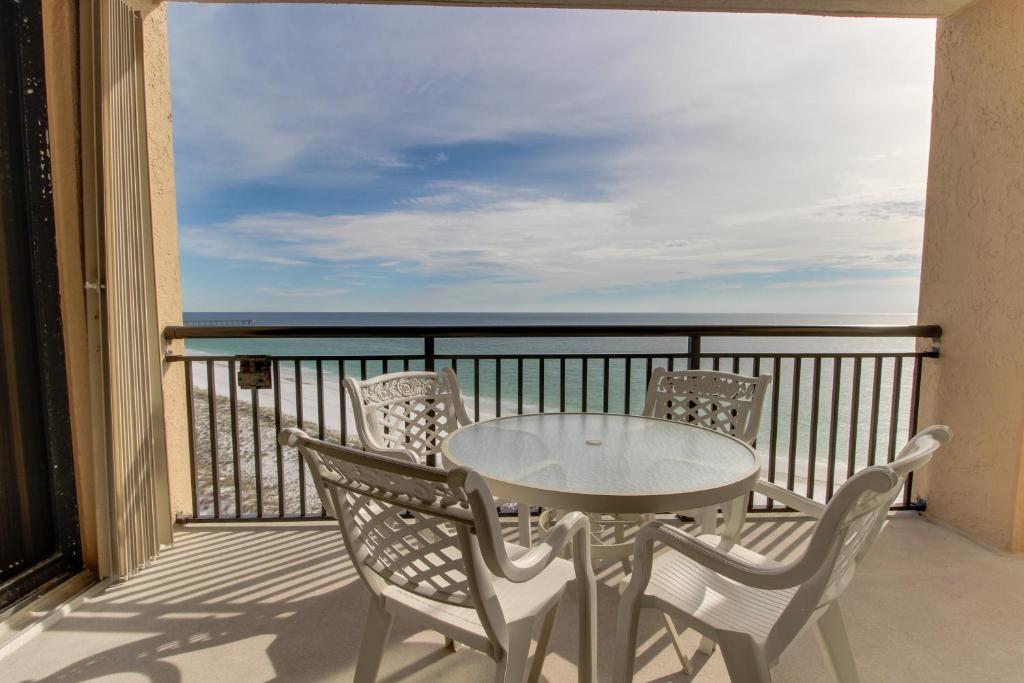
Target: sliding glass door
(39,537)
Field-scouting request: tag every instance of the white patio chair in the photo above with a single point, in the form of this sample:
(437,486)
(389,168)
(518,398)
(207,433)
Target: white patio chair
(752,605)
(406,415)
(428,545)
(722,401)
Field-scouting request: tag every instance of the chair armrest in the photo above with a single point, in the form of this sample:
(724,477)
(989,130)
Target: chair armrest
(396,453)
(707,555)
(792,500)
(574,528)
(370,445)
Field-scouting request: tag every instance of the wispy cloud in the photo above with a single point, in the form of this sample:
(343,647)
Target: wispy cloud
(529,248)
(676,147)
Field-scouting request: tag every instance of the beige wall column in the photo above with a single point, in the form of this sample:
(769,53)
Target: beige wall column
(972,279)
(165,245)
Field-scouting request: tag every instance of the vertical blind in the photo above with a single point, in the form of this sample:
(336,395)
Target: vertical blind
(137,469)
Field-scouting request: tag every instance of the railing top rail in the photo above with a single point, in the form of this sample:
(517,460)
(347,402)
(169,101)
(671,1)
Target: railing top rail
(495,331)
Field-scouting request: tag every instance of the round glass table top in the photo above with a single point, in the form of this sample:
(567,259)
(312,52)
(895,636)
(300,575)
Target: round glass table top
(598,462)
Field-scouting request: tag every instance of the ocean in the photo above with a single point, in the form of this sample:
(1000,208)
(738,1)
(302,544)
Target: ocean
(825,431)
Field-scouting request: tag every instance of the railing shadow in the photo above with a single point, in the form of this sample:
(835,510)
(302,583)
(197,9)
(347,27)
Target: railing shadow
(282,601)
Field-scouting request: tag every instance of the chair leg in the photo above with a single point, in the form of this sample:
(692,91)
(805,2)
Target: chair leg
(525,533)
(835,644)
(625,639)
(620,538)
(375,639)
(449,643)
(512,663)
(745,660)
(542,645)
(677,643)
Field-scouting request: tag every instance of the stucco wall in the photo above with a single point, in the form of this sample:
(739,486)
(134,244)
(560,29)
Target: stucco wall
(165,245)
(972,280)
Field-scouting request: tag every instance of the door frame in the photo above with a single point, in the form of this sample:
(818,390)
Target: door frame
(26,38)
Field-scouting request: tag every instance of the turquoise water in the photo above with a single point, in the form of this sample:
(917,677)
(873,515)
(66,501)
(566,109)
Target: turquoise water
(864,426)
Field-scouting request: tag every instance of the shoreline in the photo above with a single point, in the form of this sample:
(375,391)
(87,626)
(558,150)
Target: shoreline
(289,472)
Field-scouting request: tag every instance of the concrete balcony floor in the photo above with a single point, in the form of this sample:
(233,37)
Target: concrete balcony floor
(280,601)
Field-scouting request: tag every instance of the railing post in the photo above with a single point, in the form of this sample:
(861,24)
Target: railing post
(694,353)
(428,353)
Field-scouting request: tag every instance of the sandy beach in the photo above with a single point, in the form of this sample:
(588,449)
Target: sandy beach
(282,486)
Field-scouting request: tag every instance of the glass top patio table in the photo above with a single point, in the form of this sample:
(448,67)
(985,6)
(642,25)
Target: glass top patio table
(599,462)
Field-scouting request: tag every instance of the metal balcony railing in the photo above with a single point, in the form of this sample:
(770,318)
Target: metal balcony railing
(841,398)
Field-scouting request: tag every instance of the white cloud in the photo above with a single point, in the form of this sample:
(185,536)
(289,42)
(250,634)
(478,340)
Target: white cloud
(726,145)
(529,248)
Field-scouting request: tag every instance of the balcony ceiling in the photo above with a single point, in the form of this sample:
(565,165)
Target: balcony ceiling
(848,8)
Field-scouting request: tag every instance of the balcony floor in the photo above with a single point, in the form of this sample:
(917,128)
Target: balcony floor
(259,602)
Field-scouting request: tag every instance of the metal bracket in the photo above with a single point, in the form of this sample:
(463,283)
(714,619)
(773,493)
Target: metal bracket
(96,286)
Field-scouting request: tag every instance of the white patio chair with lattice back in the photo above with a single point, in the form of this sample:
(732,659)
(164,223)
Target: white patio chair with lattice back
(752,605)
(722,401)
(429,547)
(408,414)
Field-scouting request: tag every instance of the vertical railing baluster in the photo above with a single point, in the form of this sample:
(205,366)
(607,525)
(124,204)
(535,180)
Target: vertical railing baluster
(833,429)
(894,418)
(915,405)
(320,400)
(736,365)
(519,386)
(561,384)
(343,401)
(277,430)
(321,430)
(757,372)
(876,394)
(715,363)
(190,410)
(851,456)
(428,353)
(693,362)
(476,389)
(794,415)
(233,399)
(540,383)
(257,450)
(812,459)
(915,398)
(301,425)
(606,383)
(497,387)
(773,441)
(583,397)
(627,385)
(211,392)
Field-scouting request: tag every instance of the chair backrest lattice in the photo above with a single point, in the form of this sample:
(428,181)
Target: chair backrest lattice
(407,411)
(857,532)
(420,552)
(399,519)
(722,401)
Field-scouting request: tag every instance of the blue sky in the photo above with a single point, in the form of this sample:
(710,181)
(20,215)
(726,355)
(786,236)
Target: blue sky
(361,158)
